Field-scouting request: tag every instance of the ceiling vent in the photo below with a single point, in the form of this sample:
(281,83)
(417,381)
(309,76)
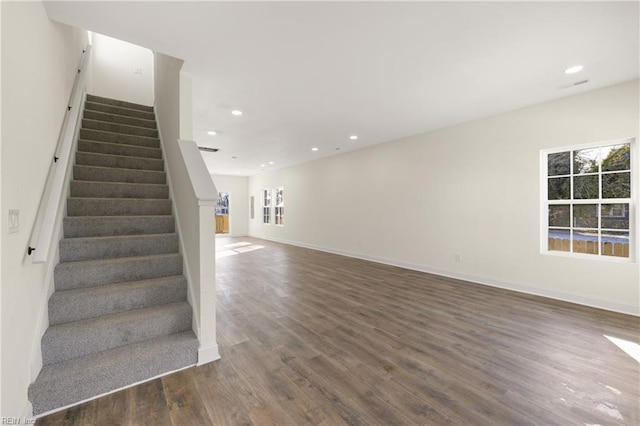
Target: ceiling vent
(207,149)
(575,83)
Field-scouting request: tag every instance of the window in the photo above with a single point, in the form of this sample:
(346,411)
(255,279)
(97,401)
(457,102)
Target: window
(279,207)
(587,199)
(266,206)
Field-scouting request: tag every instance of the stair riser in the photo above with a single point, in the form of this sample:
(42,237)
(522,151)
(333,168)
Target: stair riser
(119,149)
(68,276)
(75,249)
(119,128)
(105,174)
(122,104)
(69,383)
(118,190)
(119,119)
(110,226)
(104,160)
(78,305)
(111,109)
(117,207)
(71,341)
(102,136)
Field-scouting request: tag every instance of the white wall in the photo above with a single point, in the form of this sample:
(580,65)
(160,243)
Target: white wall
(121,70)
(237,187)
(39,62)
(186,107)
(194,197)
(472,189)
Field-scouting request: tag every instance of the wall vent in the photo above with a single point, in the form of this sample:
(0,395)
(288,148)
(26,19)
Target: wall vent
(575,83)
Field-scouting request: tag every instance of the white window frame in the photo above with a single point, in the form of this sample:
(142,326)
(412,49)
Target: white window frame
(278,209)
(632,201)
(266,206)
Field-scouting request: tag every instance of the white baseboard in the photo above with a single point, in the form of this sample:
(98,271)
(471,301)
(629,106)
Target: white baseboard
(207,354)
(609,305)
(27,413)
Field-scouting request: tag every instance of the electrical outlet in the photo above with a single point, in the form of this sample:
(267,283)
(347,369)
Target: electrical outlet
(14,221)
(137,71)
(458,257)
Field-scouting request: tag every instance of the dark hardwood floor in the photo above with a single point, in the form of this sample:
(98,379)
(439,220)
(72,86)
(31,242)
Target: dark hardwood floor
(313,338)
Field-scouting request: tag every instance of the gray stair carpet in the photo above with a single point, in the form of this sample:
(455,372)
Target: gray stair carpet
(119,313)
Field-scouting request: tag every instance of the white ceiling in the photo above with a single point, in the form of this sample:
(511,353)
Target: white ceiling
(310,74)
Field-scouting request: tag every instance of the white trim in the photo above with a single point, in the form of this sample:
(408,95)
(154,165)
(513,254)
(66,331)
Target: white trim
(609,305)
(112,391)
(207,354)
(195,324)
(27,412)
(42,321)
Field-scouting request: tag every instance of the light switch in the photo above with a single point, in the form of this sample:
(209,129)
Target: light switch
(14,221)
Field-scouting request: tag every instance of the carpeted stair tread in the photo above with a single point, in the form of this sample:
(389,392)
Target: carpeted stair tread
(124,129)
(85,303)
(122,119)
(72,340)
(102,226)
(90,273)
(92,189)
(104,136)
(89,248)
(112,109)
(119,149)
(118,161)
(117,206)
(70,382)
(114,174)
(119,103)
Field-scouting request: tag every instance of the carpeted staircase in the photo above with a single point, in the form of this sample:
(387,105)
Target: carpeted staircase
(119,314)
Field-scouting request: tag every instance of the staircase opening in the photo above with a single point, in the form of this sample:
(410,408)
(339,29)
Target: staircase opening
(119,314)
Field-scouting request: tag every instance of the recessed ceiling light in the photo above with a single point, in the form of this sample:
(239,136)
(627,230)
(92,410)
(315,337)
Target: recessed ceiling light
(212,132)
(314,149)
(261,165)
(236,112)
(271,162)
(574,69)
(353,137)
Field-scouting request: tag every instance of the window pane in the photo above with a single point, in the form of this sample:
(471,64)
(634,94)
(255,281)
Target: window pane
(559,188)
(586,160)
(560,215)
(585,241)
(559,163)
(585,215)
(616,157)
(585,187)
(615,243)
(616,185)
(615,216)
(559,239)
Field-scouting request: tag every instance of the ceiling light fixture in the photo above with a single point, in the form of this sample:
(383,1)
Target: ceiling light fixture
(314,149)
(212,132)
(574,69)
(353,137)
(236,112)
(261,165)
(271,162)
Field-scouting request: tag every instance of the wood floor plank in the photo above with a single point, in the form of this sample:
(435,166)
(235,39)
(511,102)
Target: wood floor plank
(312,338)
